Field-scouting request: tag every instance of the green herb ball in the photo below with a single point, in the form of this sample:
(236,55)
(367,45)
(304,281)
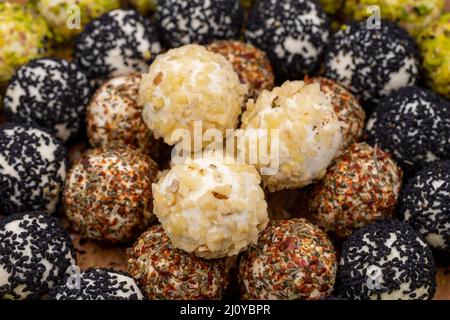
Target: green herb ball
(332,7)
(23,37)
(413,15)
(434,43)
(60,14)
(144,6)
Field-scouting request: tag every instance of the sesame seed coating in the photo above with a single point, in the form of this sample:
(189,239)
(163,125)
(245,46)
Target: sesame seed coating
(293,260)
(35,252)
(363,185)
(425,204)
(32,169)
(165,272)
(108,194)
(386,260)
(50,92)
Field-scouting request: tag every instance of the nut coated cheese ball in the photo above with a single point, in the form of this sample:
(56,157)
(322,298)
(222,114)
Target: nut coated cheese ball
(211,208)
(190,84)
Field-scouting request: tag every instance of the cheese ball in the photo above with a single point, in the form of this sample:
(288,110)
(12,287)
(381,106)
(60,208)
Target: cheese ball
(293,260)
(413,125)
(250,63)
(372,63)
(32,169)
(62,17)
(50,92)
(198,21)
(293,33)
(23,37)
(187,85)
(117,43)
(166,273)
(36,252)
(211,208)
(386,260)
(108,194)
(309,134)
(362,186)
(425,204)
(413,15)
(97,284)
(349,110)
(434,44)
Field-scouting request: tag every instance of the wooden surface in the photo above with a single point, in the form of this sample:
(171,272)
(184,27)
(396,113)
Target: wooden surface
(285,204)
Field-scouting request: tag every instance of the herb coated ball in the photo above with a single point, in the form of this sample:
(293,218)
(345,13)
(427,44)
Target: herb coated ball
(108,194)
(413,125)
(97,284)
(250,63)
(363,185)
(145,7)
(293,33)
(386,260)
(308,137)
(197,21)
(32,169)
(164,272)
(425,204)
(62,15)
(118,43)
(293,260)
(23,37)
(372,63)
(51,92)
(35,254)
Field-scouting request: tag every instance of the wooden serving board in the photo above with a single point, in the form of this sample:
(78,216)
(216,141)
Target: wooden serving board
(284,204)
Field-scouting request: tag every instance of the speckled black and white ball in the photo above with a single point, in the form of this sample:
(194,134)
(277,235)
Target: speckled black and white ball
(35,254)
(425,204)
(50,92)
(97,284)
(118,43)
(293,33)
(387,260)
(198,21)
(32,169)
(372,62)
(413,125)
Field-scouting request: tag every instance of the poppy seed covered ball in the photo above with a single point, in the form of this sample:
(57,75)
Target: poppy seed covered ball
(386,260)
(50,92)
(425,204)
(293,33)
(372,63)
(32,169)
(198,21)
(413,125)
(117,43)
(362,185)
(35,254)
(292,260)
(97,284)
(108,194)
(165,272)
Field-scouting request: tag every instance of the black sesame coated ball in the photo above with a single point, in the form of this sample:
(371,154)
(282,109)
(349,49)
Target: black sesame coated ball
(97,284)
(387,260)
(32,169)
(52,93)
(35,254)
(292,32)
(372,62)
(118,43)
(425,204)
(413,125)
(184,22)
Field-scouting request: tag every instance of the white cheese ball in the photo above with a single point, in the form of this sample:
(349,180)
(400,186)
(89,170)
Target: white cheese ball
(309,135)
(210,208)
(190,84)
